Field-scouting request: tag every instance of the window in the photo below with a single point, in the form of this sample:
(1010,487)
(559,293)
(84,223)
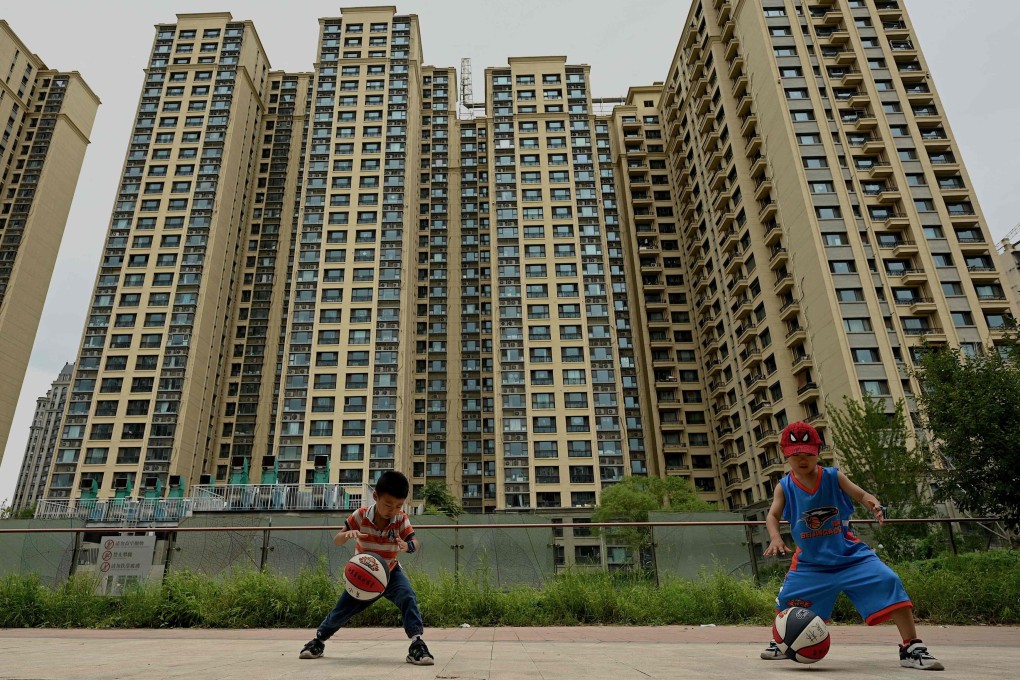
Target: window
(842,266)
(828,212)
(865,355)
(850,294)
(875,388)
(814,162)
(857,325)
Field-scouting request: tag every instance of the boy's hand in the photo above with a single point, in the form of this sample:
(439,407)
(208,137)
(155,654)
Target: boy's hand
(352,534)
(401,545)
(776,547)
(871,503)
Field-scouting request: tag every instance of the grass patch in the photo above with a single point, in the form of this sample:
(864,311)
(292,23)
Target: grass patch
(973,588)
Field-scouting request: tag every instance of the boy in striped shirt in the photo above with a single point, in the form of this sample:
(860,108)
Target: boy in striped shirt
(382,528)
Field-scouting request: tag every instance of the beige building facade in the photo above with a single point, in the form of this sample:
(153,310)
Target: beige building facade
(315,277)
(47,117)
(42,442)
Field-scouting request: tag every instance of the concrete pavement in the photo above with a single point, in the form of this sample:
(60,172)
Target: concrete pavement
(554,653)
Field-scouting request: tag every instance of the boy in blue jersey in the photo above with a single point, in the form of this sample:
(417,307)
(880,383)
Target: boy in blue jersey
(816,501)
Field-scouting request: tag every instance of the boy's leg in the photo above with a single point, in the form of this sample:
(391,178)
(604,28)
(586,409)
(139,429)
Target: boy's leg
(874,589)
(346,607)
(400,592)
(878,594)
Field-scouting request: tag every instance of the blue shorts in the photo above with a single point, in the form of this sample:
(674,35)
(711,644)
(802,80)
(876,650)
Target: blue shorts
(874,589)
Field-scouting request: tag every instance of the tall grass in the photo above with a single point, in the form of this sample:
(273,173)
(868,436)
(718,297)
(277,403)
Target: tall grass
(973,588)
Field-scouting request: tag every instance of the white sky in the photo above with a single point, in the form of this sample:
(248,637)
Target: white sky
(970,54)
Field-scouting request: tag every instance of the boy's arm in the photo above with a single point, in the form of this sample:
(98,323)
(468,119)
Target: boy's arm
(407,541)
(350,531)
(776,544)
(861,496)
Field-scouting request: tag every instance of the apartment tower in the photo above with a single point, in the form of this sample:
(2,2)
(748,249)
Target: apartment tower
(42,442)
(828,226)
(48,118)
(314,277)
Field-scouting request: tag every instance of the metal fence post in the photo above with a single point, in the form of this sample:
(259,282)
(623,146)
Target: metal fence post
(456,550)
(265,550)
(952,537)
(74,554)
(171,546)
(752,550)
(655,559)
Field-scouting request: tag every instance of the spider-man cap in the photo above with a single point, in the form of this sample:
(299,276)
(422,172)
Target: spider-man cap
(800,437)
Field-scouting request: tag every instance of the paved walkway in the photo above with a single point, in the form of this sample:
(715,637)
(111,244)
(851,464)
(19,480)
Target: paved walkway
(581,653)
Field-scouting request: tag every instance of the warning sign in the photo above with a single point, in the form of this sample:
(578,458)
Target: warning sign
(127,555)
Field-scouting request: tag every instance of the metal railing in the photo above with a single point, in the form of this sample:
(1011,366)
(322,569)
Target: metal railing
(117,510)
(257,497)
(208,498)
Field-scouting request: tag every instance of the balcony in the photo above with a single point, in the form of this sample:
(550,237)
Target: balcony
(784,282)
(795,336)
(773,232)
(982,273)
(778,256)
(807,391)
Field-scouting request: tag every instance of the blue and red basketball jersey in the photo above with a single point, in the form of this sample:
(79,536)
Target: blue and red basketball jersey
(820,523)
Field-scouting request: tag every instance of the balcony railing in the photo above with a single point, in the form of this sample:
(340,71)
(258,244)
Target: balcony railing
(208,498)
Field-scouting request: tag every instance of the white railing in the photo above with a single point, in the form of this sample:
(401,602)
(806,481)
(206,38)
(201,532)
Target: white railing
(251,497)
(116,510)
(209,498)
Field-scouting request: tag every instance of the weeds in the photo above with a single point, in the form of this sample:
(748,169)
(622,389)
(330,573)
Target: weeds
(974,588)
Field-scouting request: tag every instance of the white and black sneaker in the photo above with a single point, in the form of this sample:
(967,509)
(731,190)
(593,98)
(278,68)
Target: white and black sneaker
(313,650)
(772,652)
(915,655)
(419,654)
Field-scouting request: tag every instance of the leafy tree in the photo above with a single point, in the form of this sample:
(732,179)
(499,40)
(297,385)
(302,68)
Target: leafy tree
(971,405)
(632,499)
(8,512)
(439,500)
(874,452)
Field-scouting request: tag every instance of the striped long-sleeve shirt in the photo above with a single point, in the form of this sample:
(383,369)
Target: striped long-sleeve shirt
(383,541)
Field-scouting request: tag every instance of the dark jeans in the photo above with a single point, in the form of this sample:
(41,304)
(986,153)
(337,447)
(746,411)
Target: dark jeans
(398,591)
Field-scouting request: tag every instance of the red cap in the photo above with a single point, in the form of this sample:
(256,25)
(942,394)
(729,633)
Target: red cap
(800,437)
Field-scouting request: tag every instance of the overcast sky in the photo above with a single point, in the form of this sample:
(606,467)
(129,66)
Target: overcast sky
(970,53)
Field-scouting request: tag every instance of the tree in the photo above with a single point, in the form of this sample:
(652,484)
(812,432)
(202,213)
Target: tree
(874,452)
(8,511)
(439,500)
(971,406)
(633,498)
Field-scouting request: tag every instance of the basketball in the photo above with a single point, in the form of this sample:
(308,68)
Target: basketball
(366,576)
(801,635)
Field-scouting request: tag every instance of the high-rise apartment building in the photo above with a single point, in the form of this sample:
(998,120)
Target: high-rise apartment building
(42,442)
(1009,261)
(828,226)
(47,117)
(314,277)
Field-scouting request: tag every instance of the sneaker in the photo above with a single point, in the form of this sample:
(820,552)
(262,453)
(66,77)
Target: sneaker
(313,650)
(419,654)
(772,652)
(915,655)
